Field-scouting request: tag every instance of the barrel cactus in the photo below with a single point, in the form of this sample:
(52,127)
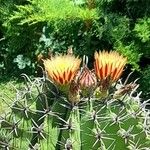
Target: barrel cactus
(76,108)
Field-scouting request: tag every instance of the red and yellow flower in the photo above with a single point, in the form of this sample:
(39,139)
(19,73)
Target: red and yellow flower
(108,69)
(109,64)
(62,69)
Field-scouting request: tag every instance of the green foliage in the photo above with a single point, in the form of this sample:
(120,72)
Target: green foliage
(131,52)
(145,82)
(142,29)
(51,11)
(41,117)
(22,62)
(143,33)
(23,24)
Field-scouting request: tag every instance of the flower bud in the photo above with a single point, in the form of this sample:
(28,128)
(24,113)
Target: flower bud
(87,81)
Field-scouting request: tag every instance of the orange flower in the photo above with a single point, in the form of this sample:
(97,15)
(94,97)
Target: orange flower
(109,64)
(62,68)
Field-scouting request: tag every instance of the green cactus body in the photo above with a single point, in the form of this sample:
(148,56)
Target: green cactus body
(70,131)
(87,127)
(50,136)
(51,125)
(74,134)
(18,130)
(48,122)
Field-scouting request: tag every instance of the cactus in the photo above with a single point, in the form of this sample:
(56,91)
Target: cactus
(76,109)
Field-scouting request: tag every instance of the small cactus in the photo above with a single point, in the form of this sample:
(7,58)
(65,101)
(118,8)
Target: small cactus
(75,109)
